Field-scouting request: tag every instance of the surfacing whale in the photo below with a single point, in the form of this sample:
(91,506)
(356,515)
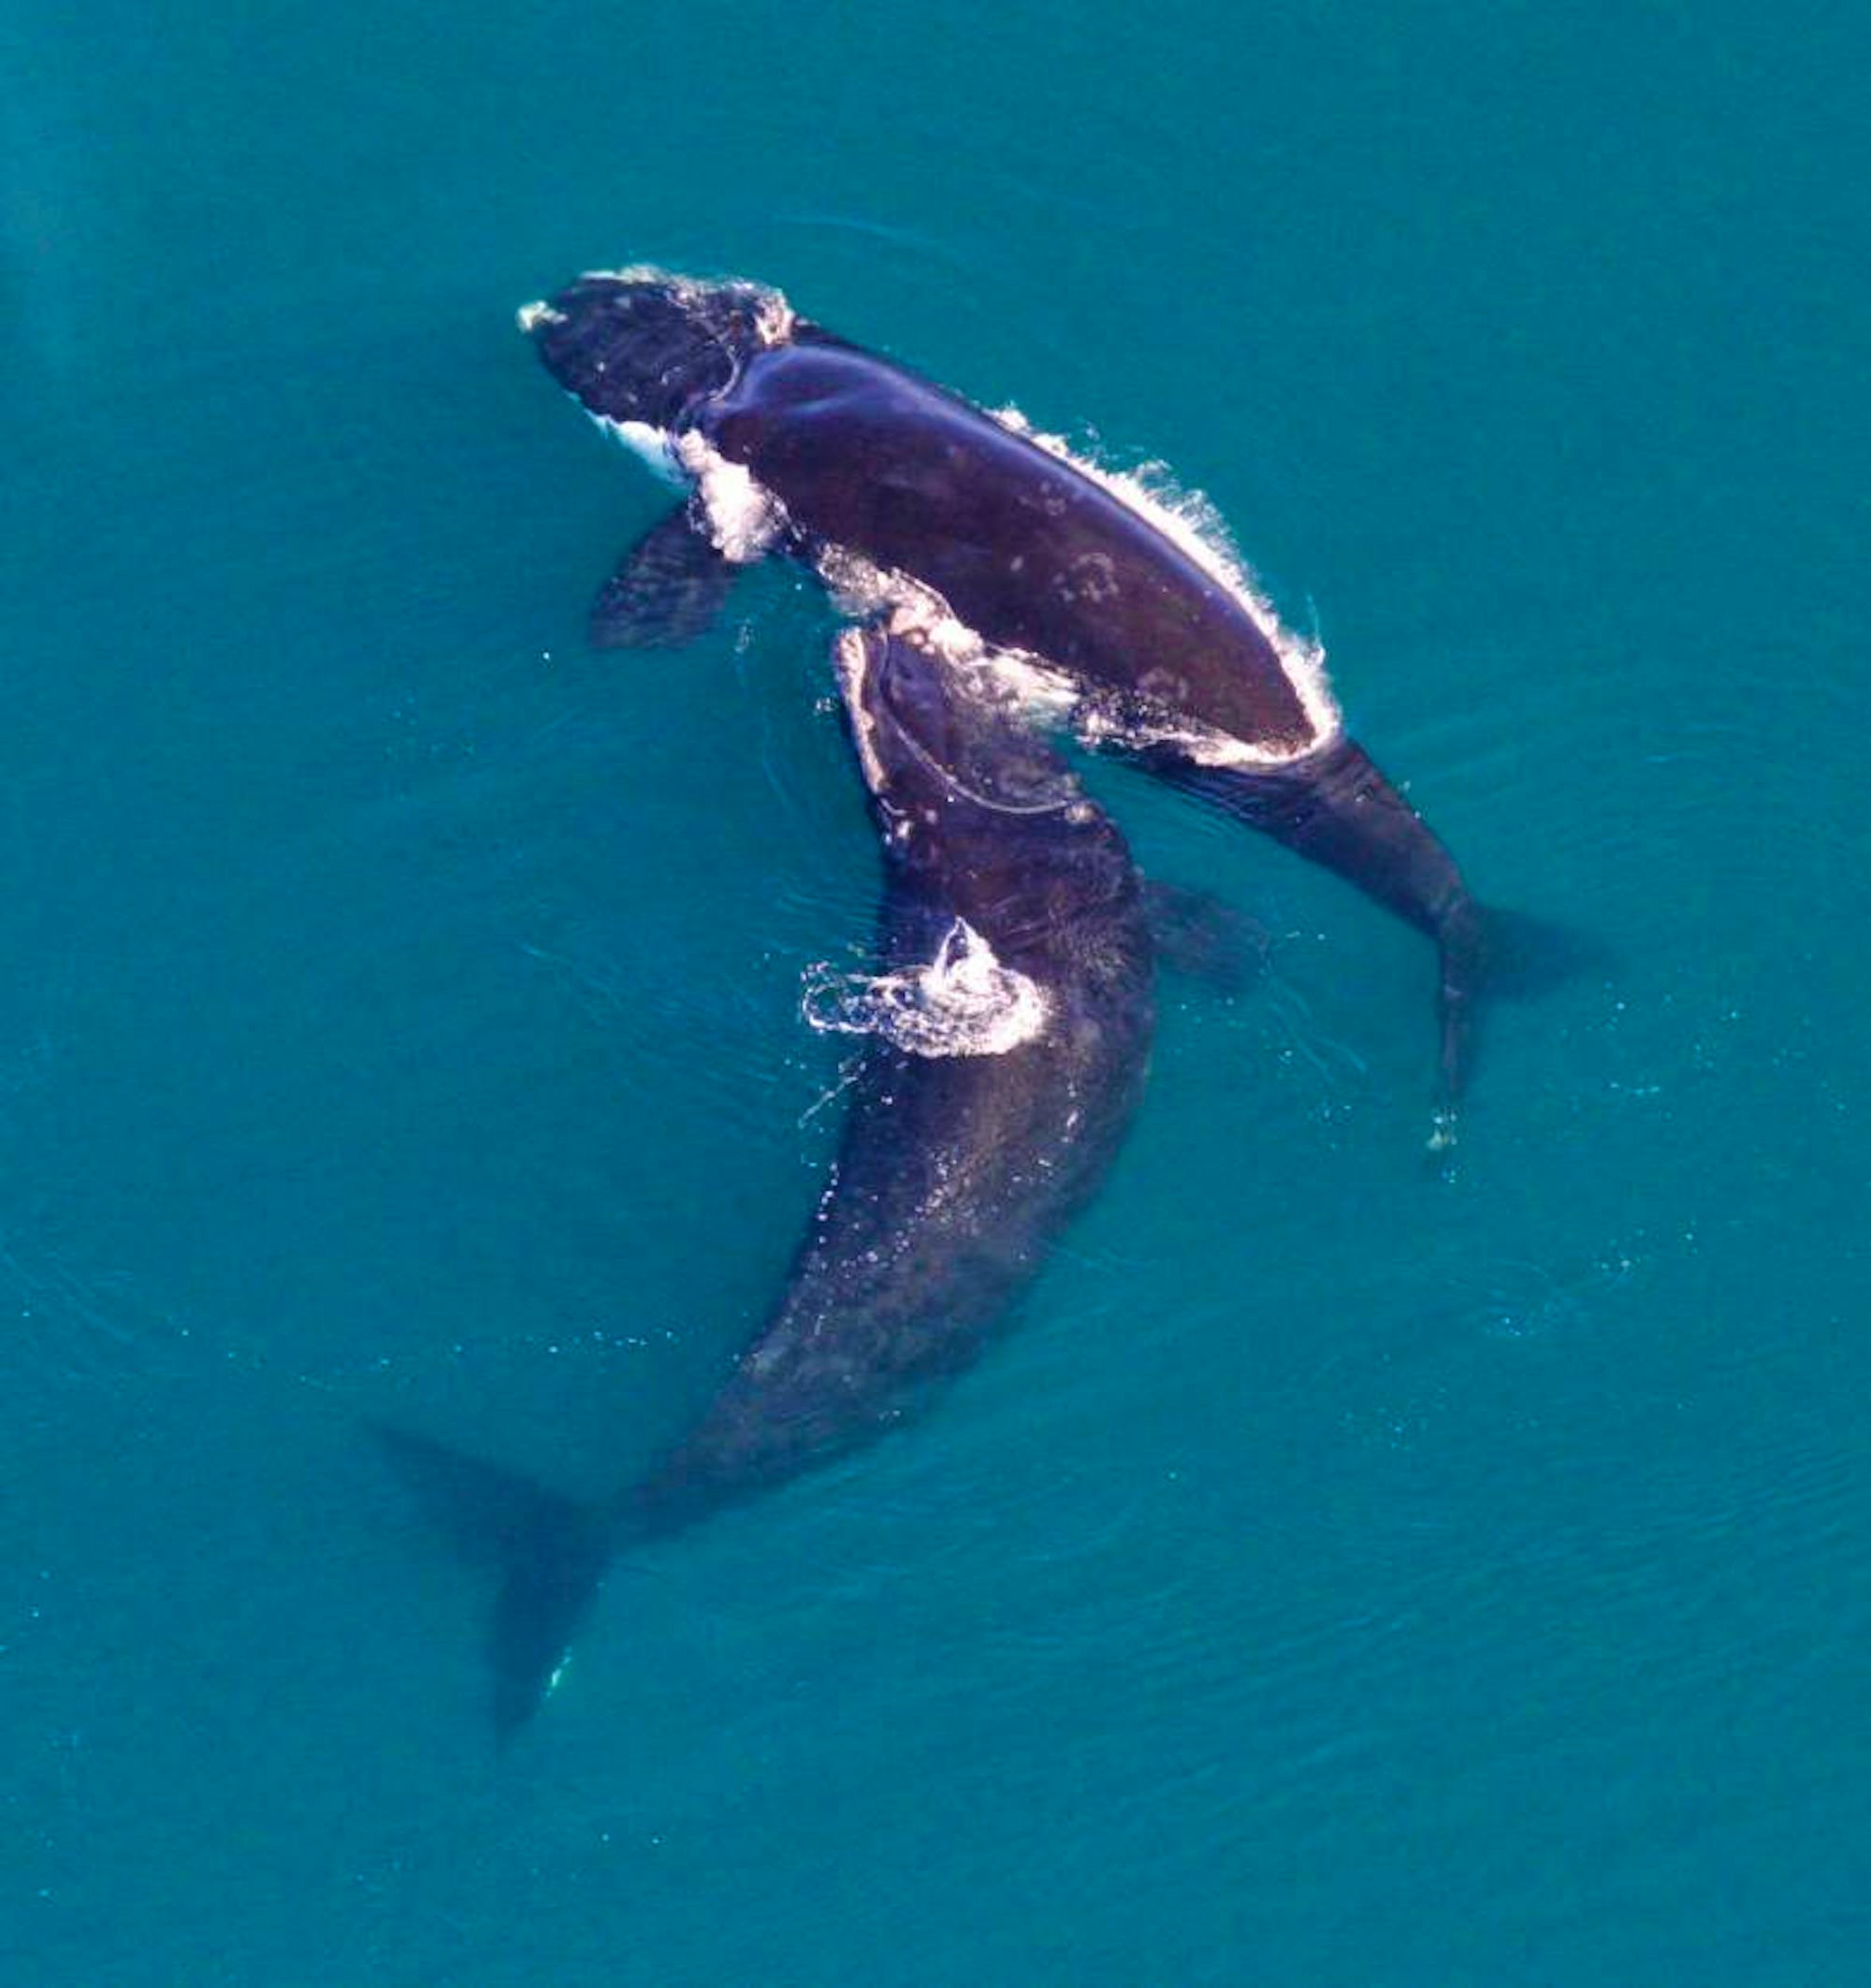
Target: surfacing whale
(1006,1034)
(893,489)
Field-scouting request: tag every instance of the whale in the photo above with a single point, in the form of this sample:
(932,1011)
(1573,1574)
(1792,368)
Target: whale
(1003,1038)
(787,439)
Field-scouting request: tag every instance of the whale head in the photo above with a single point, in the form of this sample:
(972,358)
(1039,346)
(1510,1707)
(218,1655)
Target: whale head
(982,823)
(936,736)
(644,347)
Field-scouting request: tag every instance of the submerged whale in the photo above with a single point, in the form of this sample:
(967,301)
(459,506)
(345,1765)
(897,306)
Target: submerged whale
(1006,1032)
(792,440)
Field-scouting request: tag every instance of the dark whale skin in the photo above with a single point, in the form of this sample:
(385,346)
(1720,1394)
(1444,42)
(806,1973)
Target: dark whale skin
(953,1172)
(864,455)
(1026,548)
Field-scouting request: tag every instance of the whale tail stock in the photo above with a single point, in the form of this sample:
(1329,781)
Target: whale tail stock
(1336,809)
(548,1553)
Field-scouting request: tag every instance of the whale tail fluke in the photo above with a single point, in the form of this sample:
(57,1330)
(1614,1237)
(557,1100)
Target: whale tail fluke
(1336,809)
(1491,954)
(548,1553)
(1519,957)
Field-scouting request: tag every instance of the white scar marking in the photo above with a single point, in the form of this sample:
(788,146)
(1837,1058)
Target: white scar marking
(1191,524)
(774,316)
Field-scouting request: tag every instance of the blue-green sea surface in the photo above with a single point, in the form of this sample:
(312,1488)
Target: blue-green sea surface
(1345,1577)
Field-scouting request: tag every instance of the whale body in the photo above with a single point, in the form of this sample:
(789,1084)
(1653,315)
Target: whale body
(792,440)
(1005,1032)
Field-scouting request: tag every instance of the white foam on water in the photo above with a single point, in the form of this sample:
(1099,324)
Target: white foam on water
(652,446)
(1039,693)
(905,607)
(745,519)
(963,1003)
(1206,745)
(902,603)
(850,662)
(1031,684)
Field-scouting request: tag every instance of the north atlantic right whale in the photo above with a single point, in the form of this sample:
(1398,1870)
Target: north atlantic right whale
(795,441)
(1005,1037)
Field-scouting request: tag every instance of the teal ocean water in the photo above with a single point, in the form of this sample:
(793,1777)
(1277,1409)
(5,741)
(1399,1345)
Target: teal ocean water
(1345,1576)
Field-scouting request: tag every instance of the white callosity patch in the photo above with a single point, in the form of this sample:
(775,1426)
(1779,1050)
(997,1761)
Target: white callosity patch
(736,501)
(773,316)
(963,1003)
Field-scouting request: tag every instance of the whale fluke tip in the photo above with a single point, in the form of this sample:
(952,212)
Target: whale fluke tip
(550,1552)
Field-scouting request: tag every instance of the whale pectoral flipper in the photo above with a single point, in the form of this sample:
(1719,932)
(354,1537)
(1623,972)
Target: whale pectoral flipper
(667,589)
(1203,937)
(550,1552)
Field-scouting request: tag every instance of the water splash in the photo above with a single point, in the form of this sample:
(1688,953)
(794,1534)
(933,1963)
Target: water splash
(963,1003)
